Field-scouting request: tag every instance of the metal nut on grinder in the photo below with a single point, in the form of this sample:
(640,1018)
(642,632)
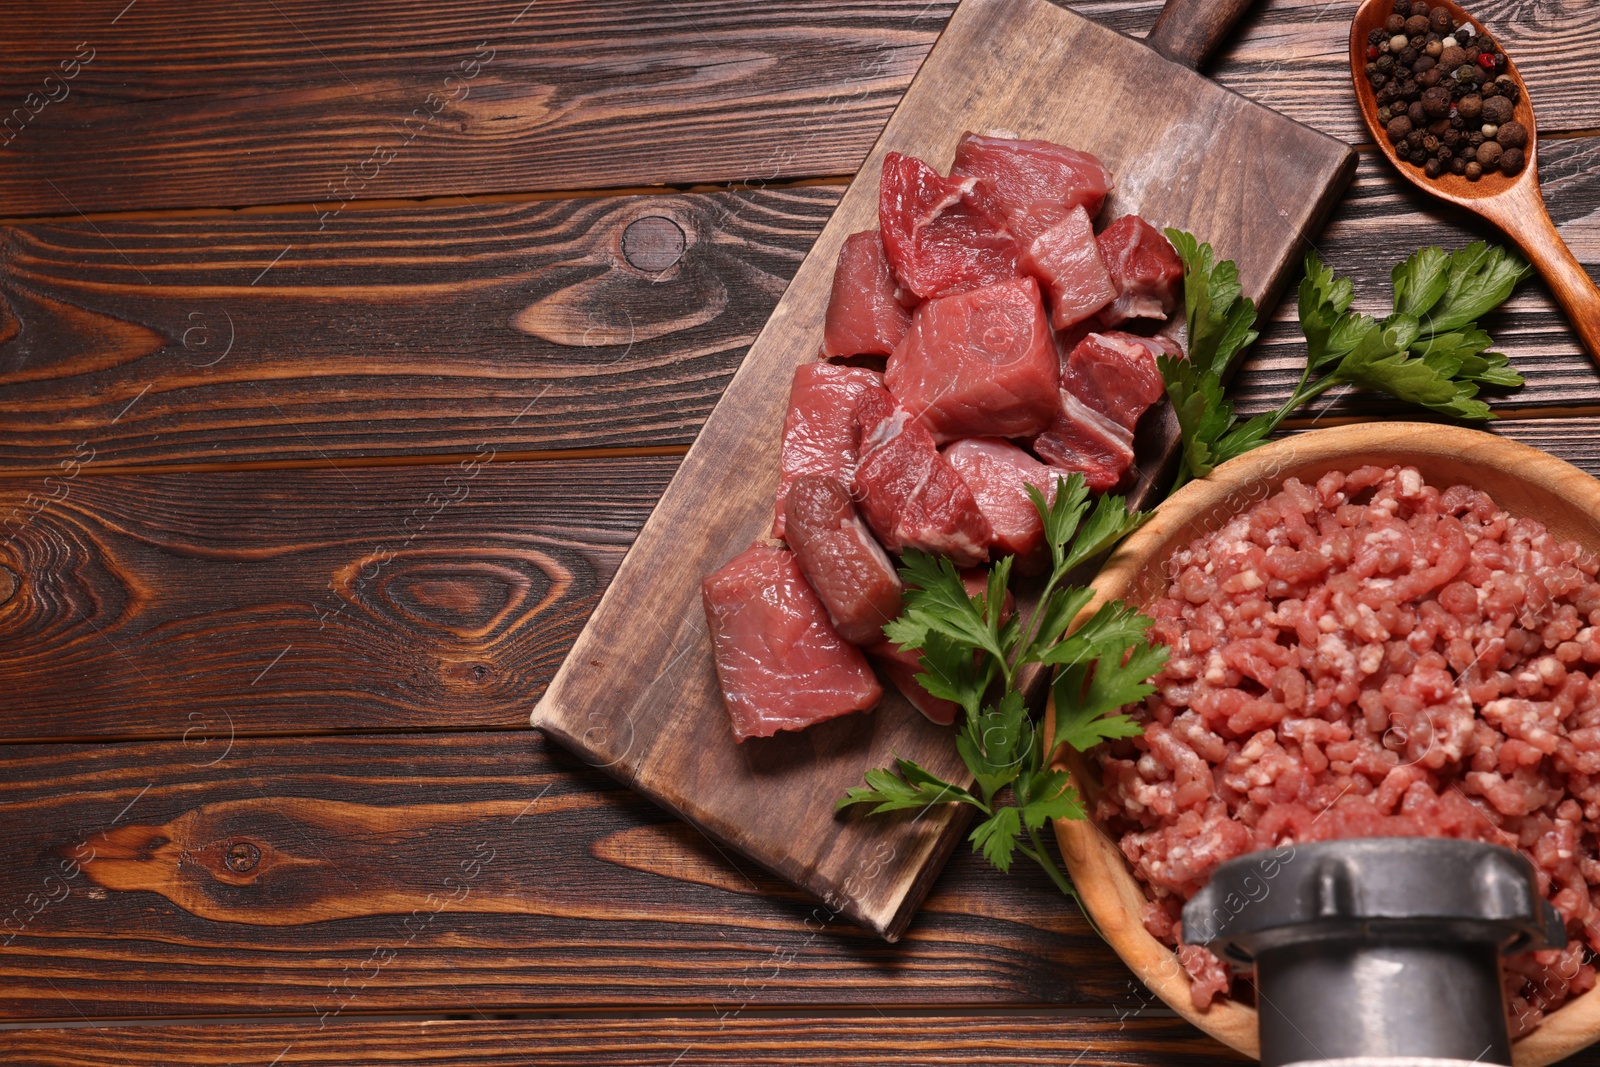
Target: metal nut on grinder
(1374,950)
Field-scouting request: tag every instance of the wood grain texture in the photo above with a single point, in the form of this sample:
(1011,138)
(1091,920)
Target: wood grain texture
(203,605)
(427,302)
(129,890)
(1380,222)
(301,102)
(436,330)
(639,694)
(823,1041)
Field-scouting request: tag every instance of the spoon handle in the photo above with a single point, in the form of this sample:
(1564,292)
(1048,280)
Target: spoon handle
(1529,224)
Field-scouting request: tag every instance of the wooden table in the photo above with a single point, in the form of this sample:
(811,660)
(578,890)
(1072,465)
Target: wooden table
(343,349)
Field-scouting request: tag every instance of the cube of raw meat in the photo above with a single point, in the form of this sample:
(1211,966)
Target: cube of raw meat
(1032,185)
(819,431)
(1145,267)
(1115,373)
(998,473)
(850,571)
(979,363)
(865,312)
(938,239)
(1082,439)
(909,493)
(1066,259)
(781,664)
(902,668)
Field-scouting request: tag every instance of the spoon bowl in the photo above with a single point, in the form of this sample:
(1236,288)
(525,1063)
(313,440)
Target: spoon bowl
(1513,203)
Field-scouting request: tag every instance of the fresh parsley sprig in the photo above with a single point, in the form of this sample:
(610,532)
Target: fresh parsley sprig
(1428,351)
(972,657)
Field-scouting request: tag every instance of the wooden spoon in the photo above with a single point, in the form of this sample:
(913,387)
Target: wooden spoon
(1513,204)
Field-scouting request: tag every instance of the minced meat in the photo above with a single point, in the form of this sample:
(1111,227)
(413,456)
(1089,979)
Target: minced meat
(1370,656)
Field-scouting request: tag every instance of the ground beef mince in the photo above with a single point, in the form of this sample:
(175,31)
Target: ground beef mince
(1371,656)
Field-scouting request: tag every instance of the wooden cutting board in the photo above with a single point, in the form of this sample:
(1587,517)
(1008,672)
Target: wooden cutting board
(638,694)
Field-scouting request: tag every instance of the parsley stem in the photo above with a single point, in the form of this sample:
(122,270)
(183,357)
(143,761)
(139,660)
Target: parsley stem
(1039,854)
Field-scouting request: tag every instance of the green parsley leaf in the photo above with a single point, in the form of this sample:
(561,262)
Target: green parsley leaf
(1051,796)
(1220,319)
(997,837)
(914,787)
(1087,694)
(996,743)
(1480,279)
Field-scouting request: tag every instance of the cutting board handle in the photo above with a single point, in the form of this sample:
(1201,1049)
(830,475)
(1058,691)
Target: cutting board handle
(1187,31)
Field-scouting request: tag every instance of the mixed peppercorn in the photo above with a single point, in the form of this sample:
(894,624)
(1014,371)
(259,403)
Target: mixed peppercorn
(1444,97)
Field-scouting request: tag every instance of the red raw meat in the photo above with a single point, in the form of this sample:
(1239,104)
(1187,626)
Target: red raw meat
(902,668)
(1066,258)
(979,363)
(849,570)
(1032,185)
(1145,267)
(938,240)
(909,493)
(1082,439)
(998,472)
(781,664)
(865,313)
(1115,373)
(819,432)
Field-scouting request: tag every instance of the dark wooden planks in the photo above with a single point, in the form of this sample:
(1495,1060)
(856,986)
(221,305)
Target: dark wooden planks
(302,102)
(405,332)
(269,601)
(419,331)
(1382,221)
(302,875)
(822,1041)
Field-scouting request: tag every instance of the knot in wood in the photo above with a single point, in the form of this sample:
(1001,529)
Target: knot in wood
(653,243)
(8,584)
(242,857)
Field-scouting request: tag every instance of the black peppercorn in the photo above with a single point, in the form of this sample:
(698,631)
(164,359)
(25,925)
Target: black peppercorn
(1423,63)
(1402,8)
(1419,157)
(1376,77)
(1429,78)
(1378,38)
(1414,140)
(1451,137)
(1469,152)
(1385,62)
(1476,138)
(1511,162)
(1433,168)
(1399,128)
(1418,117)
(1408,55)
(1474,171)
(1458,166)
(1395,24)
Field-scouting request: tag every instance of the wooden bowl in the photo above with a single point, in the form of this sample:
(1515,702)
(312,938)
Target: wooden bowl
(1523,480)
